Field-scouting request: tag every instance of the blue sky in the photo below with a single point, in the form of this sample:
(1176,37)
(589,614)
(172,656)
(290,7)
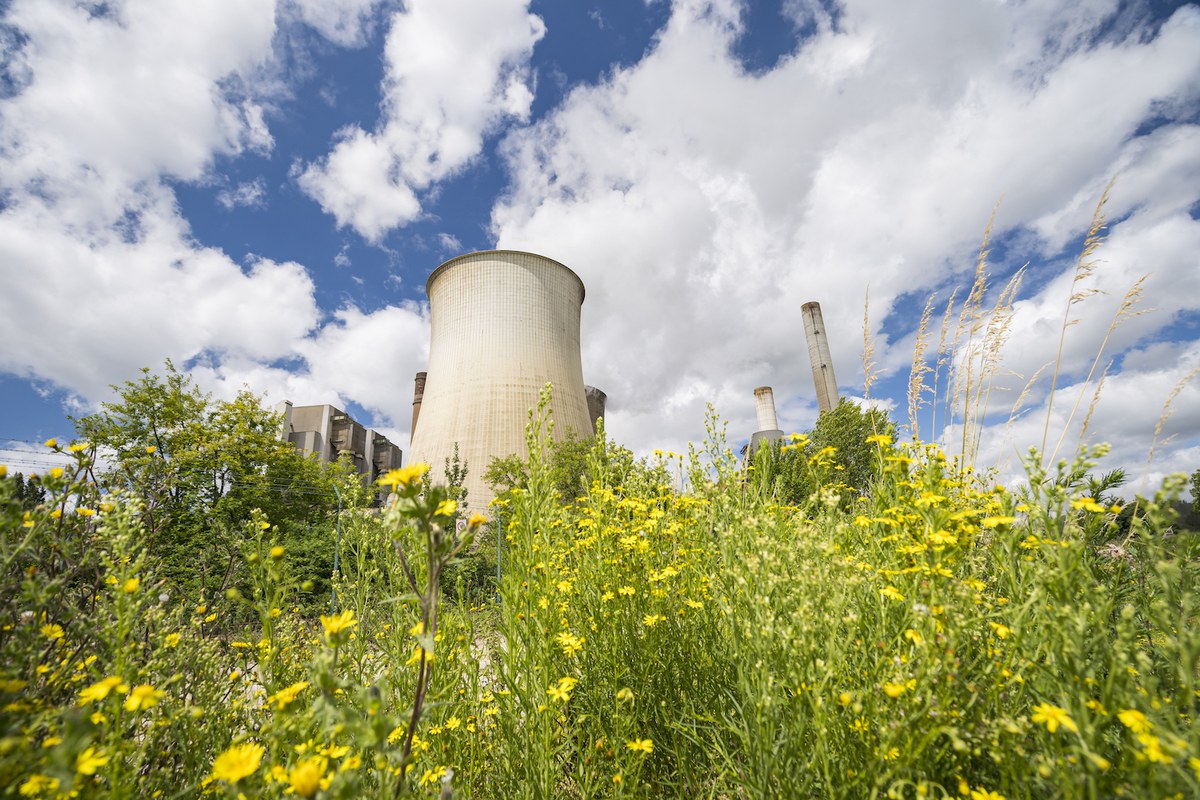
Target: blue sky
(257,189)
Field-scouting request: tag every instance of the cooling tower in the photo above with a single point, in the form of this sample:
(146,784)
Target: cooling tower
(818,356)
(596,400)
(503,325)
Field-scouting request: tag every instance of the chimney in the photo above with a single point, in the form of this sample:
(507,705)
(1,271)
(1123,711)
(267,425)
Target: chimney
(818,355)
(768,424)
(418,395)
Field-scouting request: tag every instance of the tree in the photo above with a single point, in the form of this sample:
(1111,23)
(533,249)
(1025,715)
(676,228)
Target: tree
(201,467)
(793,470)
(28,493)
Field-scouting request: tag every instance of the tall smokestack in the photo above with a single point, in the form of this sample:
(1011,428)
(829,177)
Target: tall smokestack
(818,355)
(418,396)
(764,406)
(596,401)
(768,424)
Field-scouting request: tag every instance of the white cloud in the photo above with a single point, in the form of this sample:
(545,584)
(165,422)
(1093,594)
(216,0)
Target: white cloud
(101,272)
(703,205)
(344,22)
(455,71)
(252,194)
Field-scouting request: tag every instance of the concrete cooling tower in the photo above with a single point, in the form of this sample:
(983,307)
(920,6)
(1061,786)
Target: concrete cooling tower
(503,325)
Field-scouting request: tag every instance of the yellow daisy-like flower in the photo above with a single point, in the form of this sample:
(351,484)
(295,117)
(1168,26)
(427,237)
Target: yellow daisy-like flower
(405,476)
(641,746)
(89,761)
(625,695)
(36,785)
(893,690)
(562,691)
(306,777)
(130,586)
(891,593)
(984,794)
(142,697)
(1134,720)
(339,623)
(650,620)
(237,762)
(53,632)
(476,520)
(446,508)
(1053,717)
(101,689)
(51,443)
(284,697)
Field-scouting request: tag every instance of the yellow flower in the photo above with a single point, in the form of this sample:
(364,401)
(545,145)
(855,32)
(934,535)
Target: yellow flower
(35,785)
(1153,751)
(277,552)
(570,643)
(625,695)
(405,476)
(445,508)
(893,690)
(891,593)
(237,762)
(1088,504)
(89,761)
(85,512)
(130,586)
(476,520)
(1134,720)
(1052,717)
(562,692)
(913,636)
(284,697)
(984,794)
(641,746)
(650,620)
(995,522)
(305,777)
(52,443)
(150,449)
(78,447)
(53,632)
(1001,631)
(101,689)
(141,697)
(171,639)
(339,623)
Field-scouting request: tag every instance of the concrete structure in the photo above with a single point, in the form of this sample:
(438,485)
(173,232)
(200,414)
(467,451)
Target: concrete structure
(418,396)
(818,355)
(503,324)
(329,432)
(596,400)
(768,423)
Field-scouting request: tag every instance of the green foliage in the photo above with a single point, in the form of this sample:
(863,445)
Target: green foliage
(202,468)
(939,637)
(838,454)
(28,493)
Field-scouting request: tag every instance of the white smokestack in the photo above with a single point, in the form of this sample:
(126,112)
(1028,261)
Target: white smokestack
(764,406)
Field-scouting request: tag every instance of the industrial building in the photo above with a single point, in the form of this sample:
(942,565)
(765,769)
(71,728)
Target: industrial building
(330,433)
(504,323)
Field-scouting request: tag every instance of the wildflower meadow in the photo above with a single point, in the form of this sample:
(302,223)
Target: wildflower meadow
(937,636)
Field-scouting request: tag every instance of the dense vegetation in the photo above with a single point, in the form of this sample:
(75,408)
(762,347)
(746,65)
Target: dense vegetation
(932,635)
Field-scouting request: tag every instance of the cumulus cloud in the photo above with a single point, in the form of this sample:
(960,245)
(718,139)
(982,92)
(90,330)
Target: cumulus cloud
(455,71)
(101,272)
(703,204)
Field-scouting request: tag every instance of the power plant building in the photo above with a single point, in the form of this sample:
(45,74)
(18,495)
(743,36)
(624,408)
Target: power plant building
(503,324)
(329,432)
